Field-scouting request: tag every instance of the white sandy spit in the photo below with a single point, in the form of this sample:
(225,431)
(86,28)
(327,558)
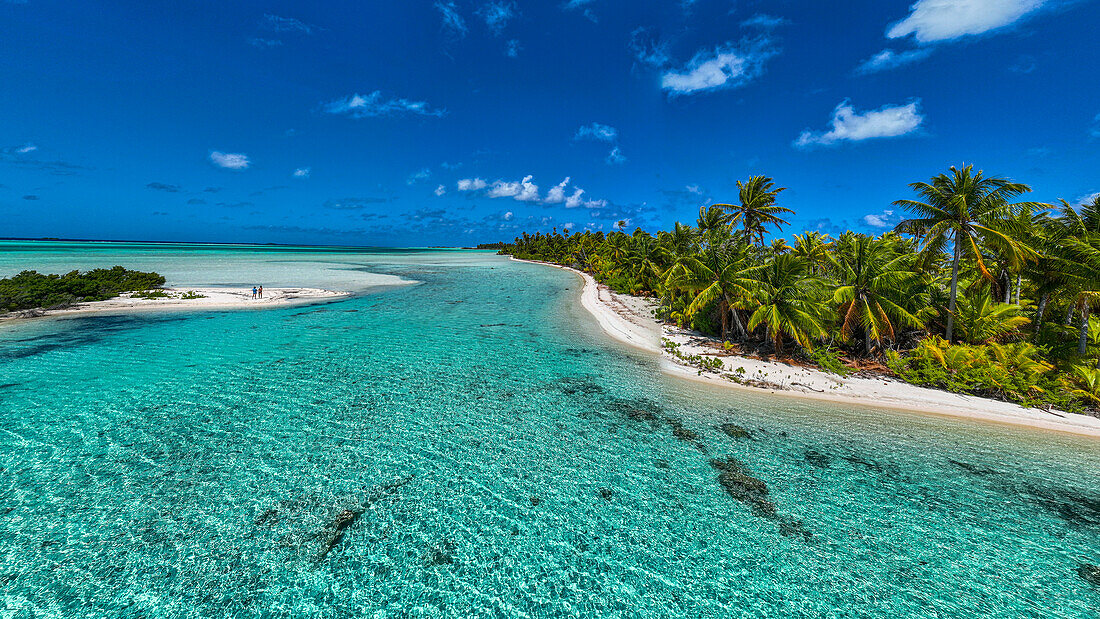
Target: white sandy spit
(200,299)
(630,320)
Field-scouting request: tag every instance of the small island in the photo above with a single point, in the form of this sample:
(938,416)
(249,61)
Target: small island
(31,294)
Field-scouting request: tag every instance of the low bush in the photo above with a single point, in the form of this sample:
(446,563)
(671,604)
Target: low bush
(1014,372)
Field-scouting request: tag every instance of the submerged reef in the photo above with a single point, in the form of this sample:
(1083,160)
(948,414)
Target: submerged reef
(753,492)
(1091,573)
(733,430)
(319,543)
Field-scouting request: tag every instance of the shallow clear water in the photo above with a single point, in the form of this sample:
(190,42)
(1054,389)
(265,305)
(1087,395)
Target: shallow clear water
(473,445)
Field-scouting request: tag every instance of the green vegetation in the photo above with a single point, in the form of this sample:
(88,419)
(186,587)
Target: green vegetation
(977,293)
(31,290)
(150,294)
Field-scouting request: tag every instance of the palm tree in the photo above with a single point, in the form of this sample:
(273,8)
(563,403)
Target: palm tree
(966,207)
(720,273)
(789,301)
(679,241)
(757,208)
(1047,272)
(646,259)
(1081,246)
(712,219)
(878,289)
(814,248)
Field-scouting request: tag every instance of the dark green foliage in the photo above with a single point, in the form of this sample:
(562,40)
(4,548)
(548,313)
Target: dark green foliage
(30,289)
(827,359)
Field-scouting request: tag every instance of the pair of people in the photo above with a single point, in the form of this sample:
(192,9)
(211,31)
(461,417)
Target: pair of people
(257,292)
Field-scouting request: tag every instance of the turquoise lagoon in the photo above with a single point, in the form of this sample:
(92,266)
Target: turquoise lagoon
(473,445)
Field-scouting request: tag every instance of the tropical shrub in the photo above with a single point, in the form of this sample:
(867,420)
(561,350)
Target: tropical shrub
(827,359)
(981,320)
(1015,372)
(1084,383)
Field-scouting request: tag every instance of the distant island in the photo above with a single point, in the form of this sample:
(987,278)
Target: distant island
(31,290)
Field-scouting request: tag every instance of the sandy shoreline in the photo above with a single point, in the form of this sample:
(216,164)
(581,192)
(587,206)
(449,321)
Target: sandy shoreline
(210,299)
(629,319)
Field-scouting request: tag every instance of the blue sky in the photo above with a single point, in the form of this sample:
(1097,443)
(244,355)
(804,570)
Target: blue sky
(452,122)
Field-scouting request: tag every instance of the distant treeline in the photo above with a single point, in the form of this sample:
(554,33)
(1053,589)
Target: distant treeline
(491,246)
(31,289)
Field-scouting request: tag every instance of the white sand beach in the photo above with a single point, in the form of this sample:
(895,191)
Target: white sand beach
(189,299)
(630,320)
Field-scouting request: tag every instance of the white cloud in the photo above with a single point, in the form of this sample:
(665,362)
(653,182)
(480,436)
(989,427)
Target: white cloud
(231,161)
(556,194)
(451,19)
(26,148)
(889,59)
(849,125)
(507,216)
(615,156)
(575,200)
(762,20)
(942,20)
(363,106)
(524,190)
(302,172)
(440,190)
(694,189)
(1087,199)
(419,175)
(502,189)
(724,67)
(885,219)
(596,131)
(497,15)
(471,184)
(648,49)
(1094,130)
(512,49)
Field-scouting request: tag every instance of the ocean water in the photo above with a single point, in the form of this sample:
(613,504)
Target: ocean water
(473,445)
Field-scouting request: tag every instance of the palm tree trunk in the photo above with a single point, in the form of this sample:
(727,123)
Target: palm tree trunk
(866,341)
(1069,314)
(1008,287)
(954,288)
(1017,289)
(724,310)
(1083,339)
(1039,311)
(737,323)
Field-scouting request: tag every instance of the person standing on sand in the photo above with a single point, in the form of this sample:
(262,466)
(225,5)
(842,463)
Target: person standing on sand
(253,292)
(261,291)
